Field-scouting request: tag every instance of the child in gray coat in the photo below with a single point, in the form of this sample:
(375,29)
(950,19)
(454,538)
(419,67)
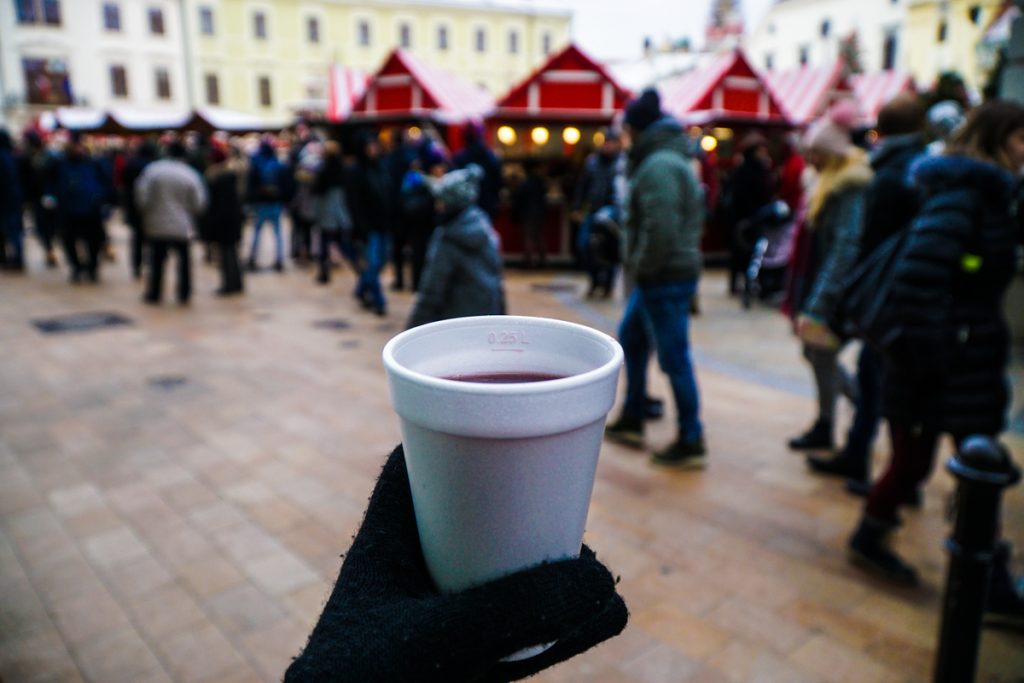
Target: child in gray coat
(463,271)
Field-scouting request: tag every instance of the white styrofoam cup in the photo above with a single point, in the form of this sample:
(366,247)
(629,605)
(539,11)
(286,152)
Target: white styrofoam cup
(501,474)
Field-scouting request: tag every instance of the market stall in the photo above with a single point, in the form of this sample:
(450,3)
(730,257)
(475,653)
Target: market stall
(551,120)
(806,93)
(408,92)
(724,104)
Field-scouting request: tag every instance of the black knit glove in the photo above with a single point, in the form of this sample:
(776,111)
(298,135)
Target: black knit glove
(385,620)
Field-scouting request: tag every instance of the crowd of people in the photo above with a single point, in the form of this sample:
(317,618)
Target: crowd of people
(369,206)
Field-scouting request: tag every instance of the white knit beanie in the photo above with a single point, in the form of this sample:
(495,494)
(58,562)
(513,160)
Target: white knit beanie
(832,132)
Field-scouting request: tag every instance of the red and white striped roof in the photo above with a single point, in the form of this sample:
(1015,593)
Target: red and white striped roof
(806,93)
(727,90)
(406,87)
(874,90)
(345,87)
(570,85)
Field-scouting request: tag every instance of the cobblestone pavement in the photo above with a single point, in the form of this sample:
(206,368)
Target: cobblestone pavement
(175,492)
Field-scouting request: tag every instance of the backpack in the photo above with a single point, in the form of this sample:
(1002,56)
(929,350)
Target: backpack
(862,311)
(268,174)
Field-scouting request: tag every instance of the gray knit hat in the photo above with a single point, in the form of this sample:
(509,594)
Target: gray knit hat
(459,189)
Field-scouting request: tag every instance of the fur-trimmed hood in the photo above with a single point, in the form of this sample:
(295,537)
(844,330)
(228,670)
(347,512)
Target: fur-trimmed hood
(853,174)
(937,173)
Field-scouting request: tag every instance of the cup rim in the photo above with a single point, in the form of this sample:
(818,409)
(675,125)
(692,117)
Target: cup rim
(392,365)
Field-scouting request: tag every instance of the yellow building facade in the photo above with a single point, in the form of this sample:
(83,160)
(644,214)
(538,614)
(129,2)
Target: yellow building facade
(943,35)
(273,57)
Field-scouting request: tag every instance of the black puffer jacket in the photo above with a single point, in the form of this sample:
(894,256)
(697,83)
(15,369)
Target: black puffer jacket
(947,370)
(891,201)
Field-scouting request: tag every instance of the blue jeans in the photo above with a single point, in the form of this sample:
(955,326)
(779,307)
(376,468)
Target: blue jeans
(369,280)
(264,213)
(663,310)
(861,436)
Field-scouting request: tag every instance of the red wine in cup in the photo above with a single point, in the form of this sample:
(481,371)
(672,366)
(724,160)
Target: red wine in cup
(505,377)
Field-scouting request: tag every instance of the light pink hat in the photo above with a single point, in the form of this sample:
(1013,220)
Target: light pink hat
(831,133)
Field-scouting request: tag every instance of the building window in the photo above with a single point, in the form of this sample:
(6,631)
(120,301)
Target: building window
(38,11)
(442,38)
(212,89)
(480,40)
(826,28)
(363,33)
(404,35)
(156,21)
(259,26)
(769,61)
(111,16)
(943,31)
(206,21)
(163,84)
(46,81)
(545,44)
(513,42)
(805,54)
(313,29)
(974,14)
(118,81)
(266,100)
(889,45)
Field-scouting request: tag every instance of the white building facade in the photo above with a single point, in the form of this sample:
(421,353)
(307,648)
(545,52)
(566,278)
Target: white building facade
(100,54)
(810,32)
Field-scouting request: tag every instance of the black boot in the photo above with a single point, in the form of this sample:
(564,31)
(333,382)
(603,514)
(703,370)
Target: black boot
(818,437)
(627,430)
(868,550)
(1005,605)
(843,465)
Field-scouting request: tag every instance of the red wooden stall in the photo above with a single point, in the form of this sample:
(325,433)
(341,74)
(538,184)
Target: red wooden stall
(722,103)
(407,91)
(553,117)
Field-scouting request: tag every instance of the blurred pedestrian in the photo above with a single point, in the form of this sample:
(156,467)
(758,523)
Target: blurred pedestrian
(749,189)
(11,225)
(400,159)
(40,181)
(84,192)
(372,205)
(833,224)
(463,270)
(529,208)
(890,203)
(417,203)
(302,207)
(477,152)
(663,258)
(266,192)
(170,196)
(334,217)
(601,187)
(223,219)
(946,360)
(146,153)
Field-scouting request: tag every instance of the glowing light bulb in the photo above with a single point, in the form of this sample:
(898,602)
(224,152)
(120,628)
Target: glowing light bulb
(708,143)
(540,135)
(571,135)
(507,135)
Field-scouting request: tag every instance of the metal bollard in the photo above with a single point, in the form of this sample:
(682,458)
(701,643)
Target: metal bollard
(983,468)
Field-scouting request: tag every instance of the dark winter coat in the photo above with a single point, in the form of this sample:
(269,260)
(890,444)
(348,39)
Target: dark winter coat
(267,182)
(834,234)
(136,165)
(463,272)
(84,187)
(947,369)
(891,201)
(222,221)
(597,186)
(666,207)
(329,190)
(372,200)
(10,186)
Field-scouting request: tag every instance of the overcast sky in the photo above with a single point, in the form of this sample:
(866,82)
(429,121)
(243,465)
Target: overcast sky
(615,29)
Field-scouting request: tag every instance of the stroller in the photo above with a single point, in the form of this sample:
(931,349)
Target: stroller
(770,233)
